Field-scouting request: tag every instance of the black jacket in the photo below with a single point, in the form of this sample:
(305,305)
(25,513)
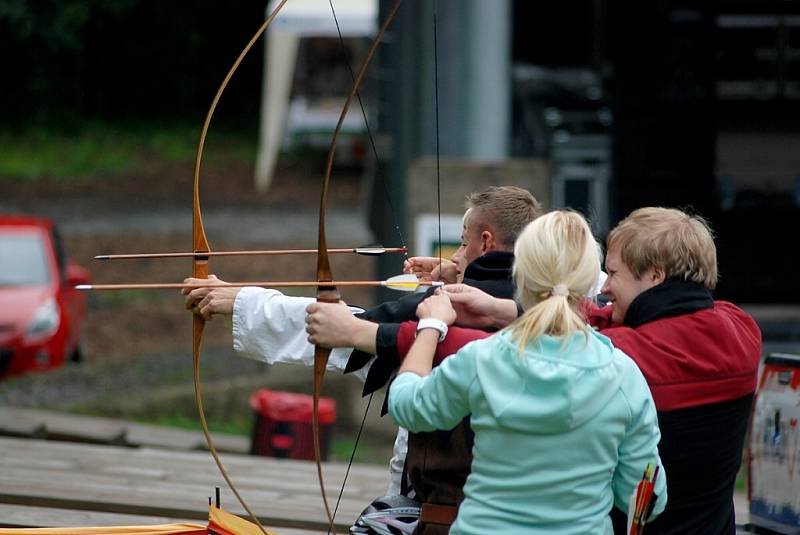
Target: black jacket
(700,358)
(490,273)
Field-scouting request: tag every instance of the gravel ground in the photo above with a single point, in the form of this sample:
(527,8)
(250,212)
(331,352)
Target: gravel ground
(139,343)
(245,224)
(150,211)
(88,385)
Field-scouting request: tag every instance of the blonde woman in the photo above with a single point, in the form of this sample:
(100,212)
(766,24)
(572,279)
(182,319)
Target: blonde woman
(564,423)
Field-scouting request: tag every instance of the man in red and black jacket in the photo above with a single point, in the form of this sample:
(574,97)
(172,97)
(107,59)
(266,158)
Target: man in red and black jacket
(699,356)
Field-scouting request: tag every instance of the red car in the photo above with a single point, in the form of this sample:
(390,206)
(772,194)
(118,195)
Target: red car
(42,316)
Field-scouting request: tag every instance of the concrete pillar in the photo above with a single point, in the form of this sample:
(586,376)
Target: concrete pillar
(487,78)
(473,45)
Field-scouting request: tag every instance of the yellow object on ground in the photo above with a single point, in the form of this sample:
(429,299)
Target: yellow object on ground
(221,522)
(159,529)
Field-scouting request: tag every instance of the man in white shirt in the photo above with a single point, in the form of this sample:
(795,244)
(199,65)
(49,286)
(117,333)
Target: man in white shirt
(272,327)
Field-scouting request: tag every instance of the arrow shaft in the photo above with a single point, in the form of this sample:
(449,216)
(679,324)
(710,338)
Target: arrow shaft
(262,284)
(401,250)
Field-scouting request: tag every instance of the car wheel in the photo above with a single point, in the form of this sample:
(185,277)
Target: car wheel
(81,350)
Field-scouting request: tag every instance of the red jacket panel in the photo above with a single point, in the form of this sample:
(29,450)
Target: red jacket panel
(708,356)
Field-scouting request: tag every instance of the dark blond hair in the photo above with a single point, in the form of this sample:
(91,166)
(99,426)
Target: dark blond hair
(680,244)
(557,263)
(505,210)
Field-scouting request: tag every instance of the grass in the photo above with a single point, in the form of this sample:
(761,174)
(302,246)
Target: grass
(741,477)
(241,425)
(340,449)
(106,149)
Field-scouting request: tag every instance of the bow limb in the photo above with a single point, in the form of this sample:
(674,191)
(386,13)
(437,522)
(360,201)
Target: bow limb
(200,262)
(328,292)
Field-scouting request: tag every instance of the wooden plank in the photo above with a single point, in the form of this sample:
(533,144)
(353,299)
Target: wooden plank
(64,426)
(142,435)
(183,466)
(273,507)
(283,493)
(23,516)
(16,424)
(37,423)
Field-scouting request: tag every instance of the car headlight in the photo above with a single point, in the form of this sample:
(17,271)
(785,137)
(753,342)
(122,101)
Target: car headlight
(45,321)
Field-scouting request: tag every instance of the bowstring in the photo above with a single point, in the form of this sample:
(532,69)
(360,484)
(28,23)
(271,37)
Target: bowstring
(436,114)
(352,456)
(371,138)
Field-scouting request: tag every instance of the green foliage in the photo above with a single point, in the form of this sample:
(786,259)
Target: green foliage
(41,154)
(103,149)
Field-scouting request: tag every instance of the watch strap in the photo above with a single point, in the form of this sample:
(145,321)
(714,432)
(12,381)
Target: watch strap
(433,323)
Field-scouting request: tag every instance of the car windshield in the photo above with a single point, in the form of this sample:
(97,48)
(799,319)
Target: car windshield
(22,260)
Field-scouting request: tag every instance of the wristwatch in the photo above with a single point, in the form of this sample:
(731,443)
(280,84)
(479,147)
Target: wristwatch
(433,323)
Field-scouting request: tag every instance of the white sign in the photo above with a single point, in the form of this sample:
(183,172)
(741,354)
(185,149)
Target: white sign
(427,231)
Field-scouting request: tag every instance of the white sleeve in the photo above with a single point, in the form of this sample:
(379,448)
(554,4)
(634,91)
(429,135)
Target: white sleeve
(270,326)
(601,280)
(397,462)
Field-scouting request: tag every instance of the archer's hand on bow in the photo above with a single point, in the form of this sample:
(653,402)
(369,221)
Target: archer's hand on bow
(207,302)
(333,325)
(430,268)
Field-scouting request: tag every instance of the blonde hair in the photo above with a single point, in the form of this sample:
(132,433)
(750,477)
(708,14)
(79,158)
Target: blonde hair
(505,210)
(680,244)
(557,263)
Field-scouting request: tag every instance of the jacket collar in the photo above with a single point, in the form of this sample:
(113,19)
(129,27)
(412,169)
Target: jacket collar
(491,266)
(671,298)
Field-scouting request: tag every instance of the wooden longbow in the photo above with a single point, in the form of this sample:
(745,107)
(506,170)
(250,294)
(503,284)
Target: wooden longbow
(200,263)
(326,292)
(326,286)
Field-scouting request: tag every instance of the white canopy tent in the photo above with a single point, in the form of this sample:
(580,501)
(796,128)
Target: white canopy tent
(298,19)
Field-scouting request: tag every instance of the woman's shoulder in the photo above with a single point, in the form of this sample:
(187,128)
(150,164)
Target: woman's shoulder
(632,381)
(491,348)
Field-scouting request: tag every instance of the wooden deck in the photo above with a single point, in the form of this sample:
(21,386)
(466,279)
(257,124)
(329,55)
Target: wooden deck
(153,480)
(51,484)
(51,425)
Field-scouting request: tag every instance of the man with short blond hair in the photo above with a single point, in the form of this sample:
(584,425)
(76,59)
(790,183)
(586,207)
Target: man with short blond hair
(700,357)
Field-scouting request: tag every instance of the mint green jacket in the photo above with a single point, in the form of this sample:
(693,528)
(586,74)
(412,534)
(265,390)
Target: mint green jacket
(563,431)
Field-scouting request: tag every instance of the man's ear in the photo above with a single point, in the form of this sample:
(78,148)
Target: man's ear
(488,242)
(657,276)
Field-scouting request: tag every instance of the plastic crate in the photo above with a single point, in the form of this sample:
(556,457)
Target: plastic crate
(282,426)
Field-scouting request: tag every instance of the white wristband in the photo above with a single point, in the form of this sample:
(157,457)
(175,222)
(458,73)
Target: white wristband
(433,323)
